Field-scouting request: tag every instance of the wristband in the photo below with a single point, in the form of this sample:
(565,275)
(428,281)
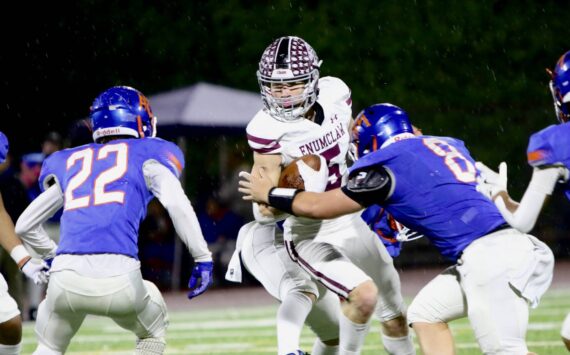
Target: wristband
(20,255)
(282,198)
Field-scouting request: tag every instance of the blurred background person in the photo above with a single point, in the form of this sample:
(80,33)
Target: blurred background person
(52,143)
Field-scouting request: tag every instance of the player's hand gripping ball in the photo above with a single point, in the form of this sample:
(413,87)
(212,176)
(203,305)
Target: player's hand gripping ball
(309,172)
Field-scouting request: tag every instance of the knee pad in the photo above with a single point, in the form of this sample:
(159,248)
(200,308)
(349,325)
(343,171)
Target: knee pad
(150,346)
(156,311)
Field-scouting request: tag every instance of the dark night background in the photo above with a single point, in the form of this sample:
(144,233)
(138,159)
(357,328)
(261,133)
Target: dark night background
(469,69)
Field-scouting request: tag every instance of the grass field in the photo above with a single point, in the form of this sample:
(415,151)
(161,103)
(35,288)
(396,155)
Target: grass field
(252,331)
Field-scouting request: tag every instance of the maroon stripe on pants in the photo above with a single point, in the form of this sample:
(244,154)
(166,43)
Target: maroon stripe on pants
(329,283)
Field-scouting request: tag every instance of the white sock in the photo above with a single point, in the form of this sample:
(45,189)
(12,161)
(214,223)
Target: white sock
(10,349)
(401,346)
(44,350)
(565,332)
(290,320)
(320,348)
(352,335)
(150,346)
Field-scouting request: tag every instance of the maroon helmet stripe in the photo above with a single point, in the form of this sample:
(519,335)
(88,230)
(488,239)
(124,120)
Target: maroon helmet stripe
(282,56)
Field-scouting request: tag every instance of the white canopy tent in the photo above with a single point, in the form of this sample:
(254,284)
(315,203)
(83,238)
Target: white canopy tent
(205,105)
(198,109)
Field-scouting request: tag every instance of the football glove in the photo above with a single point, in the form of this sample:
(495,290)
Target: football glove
(405,234)
(36,270)
(315,181)
(201,278)
(490,183)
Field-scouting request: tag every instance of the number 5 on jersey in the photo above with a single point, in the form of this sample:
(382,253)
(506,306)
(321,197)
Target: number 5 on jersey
(99,195)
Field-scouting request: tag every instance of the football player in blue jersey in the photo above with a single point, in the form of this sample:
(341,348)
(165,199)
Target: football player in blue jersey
(104,188)
(429,184)
(391,232)
(549,154)
(35,269)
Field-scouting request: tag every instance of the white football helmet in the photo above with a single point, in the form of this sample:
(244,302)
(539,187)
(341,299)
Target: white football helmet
(289,60)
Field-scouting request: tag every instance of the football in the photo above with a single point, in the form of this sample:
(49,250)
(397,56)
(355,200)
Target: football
(290,176)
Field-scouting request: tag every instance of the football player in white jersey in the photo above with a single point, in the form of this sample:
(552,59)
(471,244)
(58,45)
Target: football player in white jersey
(37,270)
(305,114)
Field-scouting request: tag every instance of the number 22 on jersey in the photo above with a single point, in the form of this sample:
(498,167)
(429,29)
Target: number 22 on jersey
(99,195)
(452,158)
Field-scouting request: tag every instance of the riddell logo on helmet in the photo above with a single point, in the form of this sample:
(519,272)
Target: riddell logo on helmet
(109,131)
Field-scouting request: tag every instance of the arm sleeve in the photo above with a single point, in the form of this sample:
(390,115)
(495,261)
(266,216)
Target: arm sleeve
(29,224)
(166,187)
(541,185)
(369,185)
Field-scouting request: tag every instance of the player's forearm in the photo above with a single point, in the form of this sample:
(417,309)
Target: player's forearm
(187,227)
(317,205)
(265,219)
(8,239)
(29,224)
(166,187)
(327,205)
(524,215)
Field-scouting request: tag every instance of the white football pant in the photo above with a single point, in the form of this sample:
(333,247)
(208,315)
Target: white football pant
(344,256)
(264,256)
(133,303)
(492,284)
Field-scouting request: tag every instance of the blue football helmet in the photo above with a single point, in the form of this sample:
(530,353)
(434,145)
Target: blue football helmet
(122,111)
(560,87)
(375,125)
(3,147)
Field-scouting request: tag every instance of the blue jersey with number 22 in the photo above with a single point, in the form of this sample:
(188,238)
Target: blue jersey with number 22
(435,192)
(105,193)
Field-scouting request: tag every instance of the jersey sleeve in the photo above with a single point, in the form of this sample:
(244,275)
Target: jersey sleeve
(49,171)
(334,90)
(263,134)
(550,147)
(167,154)
(369,185)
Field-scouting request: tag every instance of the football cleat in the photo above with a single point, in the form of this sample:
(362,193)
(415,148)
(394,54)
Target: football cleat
(377,126)
(122,111)
(560,87)
(288,62)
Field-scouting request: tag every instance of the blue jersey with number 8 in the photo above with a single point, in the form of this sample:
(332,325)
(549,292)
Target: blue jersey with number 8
(435,195)
(105,193)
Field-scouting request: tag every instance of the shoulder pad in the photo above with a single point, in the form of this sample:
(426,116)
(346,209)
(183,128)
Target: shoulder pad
(540,151)
(263,133)
(333,89)
(166,153)
(371,178)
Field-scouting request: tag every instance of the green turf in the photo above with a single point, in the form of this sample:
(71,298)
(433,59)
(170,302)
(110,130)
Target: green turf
(252,331)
